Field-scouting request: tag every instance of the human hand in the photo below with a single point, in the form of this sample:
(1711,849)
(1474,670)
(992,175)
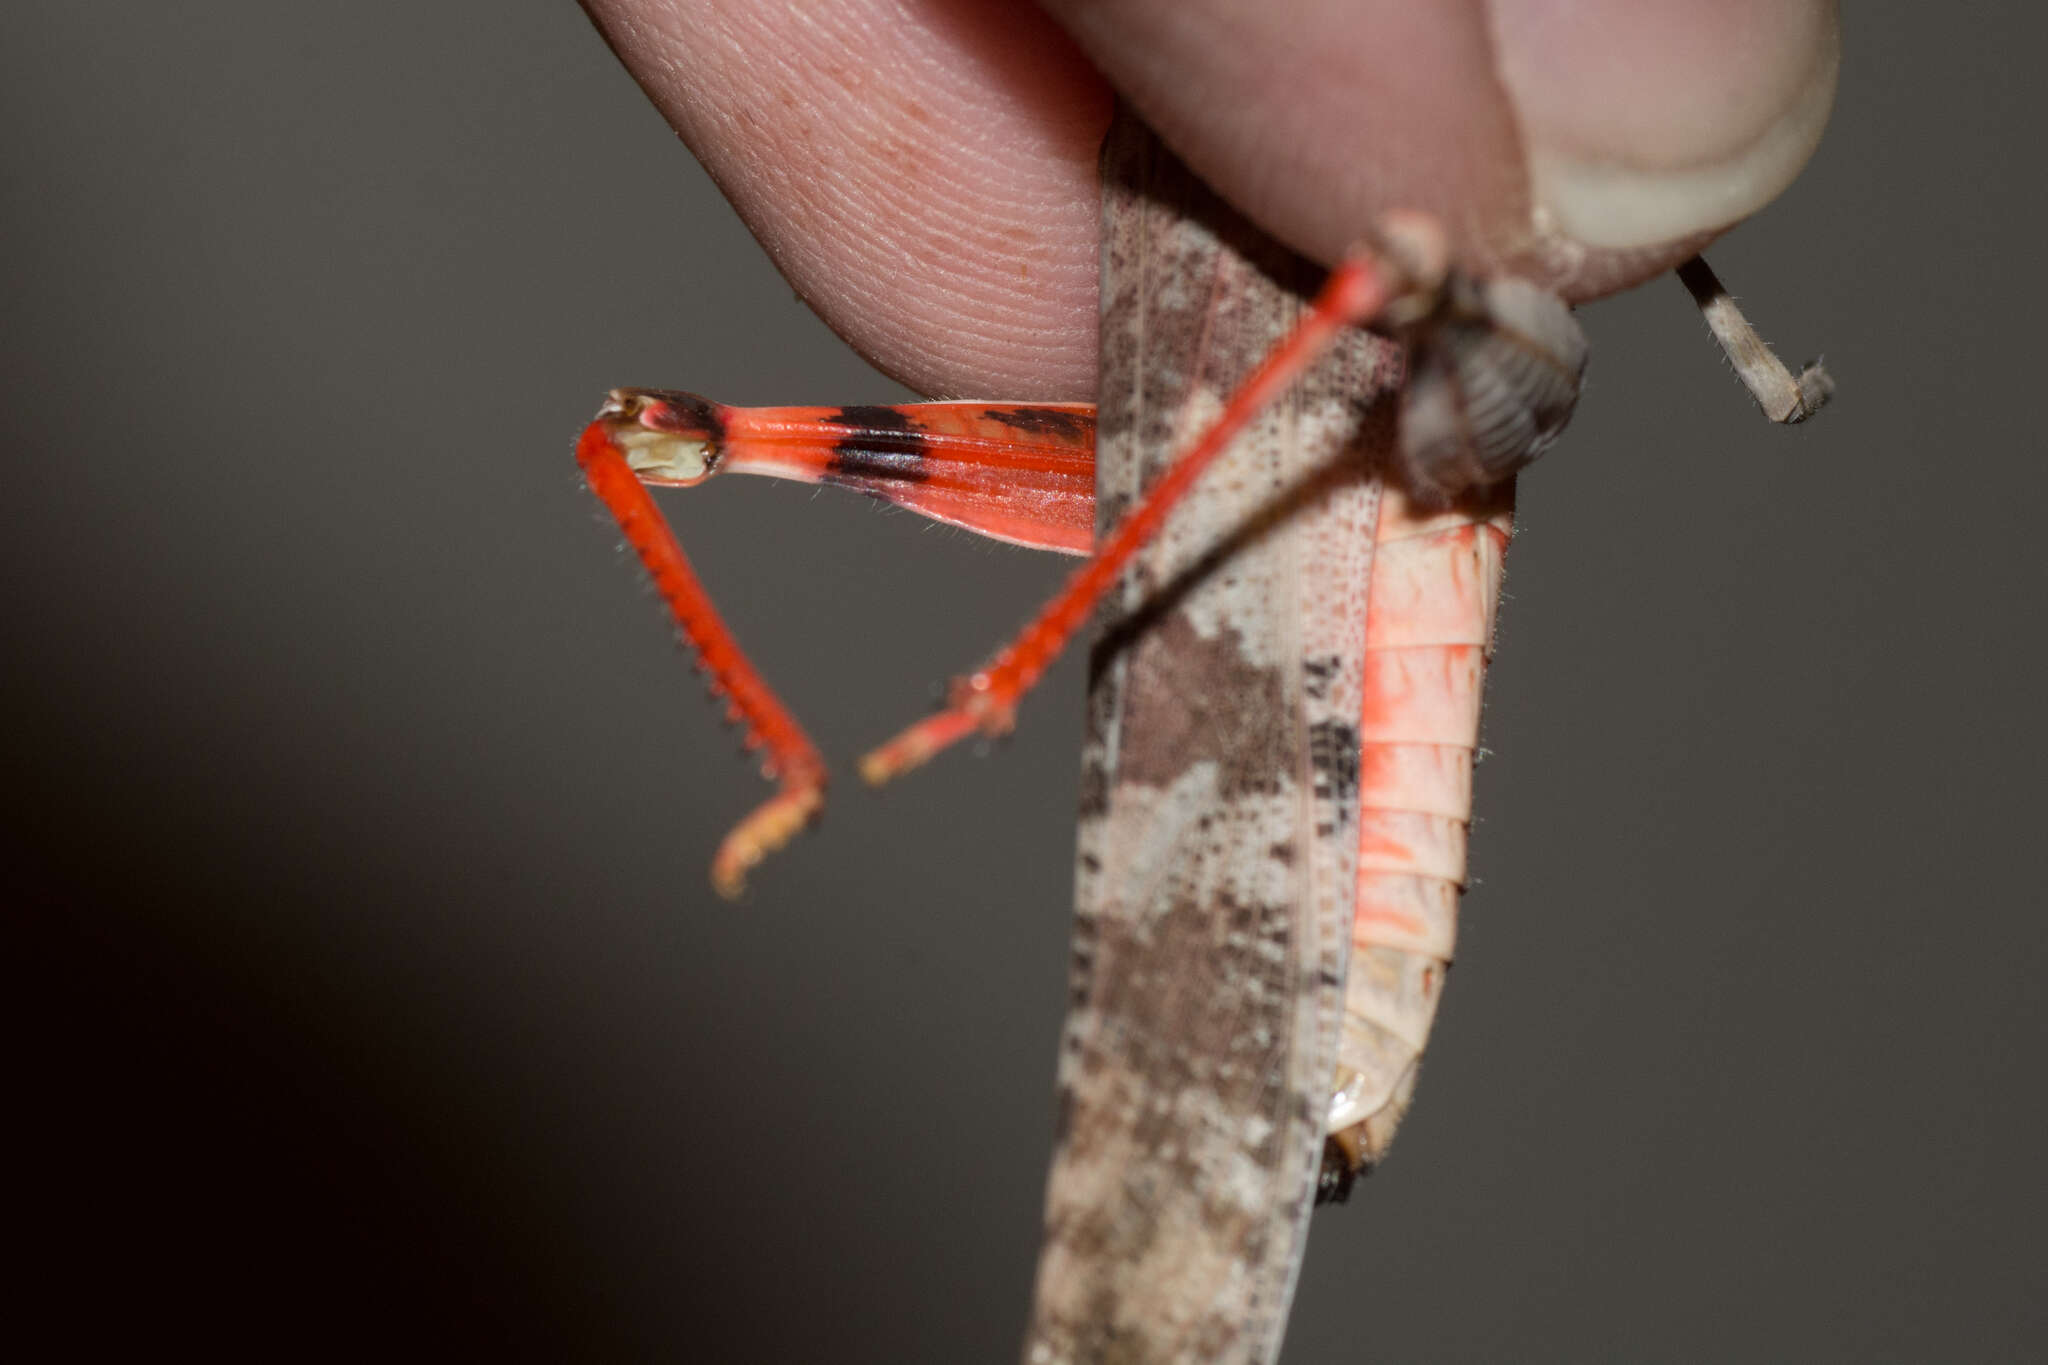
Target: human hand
(923,171)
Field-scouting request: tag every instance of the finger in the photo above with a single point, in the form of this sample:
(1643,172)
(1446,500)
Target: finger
(1588,145)
(923,171)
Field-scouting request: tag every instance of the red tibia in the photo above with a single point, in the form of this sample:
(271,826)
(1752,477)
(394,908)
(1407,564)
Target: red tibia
(1355,293)
(791,759)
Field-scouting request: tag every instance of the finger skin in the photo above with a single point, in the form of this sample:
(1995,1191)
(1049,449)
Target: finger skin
(1587,144)
(923,171)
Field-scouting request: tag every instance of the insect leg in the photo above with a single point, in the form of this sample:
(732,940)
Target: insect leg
(789,757)
(1359,290)
(1783,398)
(1023,473)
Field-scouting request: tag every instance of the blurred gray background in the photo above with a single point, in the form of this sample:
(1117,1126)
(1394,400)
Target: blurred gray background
(360,805)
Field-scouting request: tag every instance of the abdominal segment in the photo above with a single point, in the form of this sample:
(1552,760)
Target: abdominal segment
(1435,589)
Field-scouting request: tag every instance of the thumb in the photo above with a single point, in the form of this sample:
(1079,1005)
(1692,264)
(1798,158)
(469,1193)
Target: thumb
(1587,145)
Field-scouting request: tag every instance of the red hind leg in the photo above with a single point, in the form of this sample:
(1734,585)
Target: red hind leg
(1356,292)
(1023,473)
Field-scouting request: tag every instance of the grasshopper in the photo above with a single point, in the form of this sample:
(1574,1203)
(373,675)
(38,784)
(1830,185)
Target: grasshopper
(1296,527)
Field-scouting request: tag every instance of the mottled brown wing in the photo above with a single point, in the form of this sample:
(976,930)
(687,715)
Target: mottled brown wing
(1218,840)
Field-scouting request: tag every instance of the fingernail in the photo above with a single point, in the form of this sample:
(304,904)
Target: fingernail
(1646,121)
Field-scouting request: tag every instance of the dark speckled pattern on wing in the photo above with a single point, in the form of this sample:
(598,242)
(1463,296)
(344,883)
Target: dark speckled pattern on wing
(1218,839)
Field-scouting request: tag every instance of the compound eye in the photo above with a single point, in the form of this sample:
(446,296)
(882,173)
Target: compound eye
(1490,386)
